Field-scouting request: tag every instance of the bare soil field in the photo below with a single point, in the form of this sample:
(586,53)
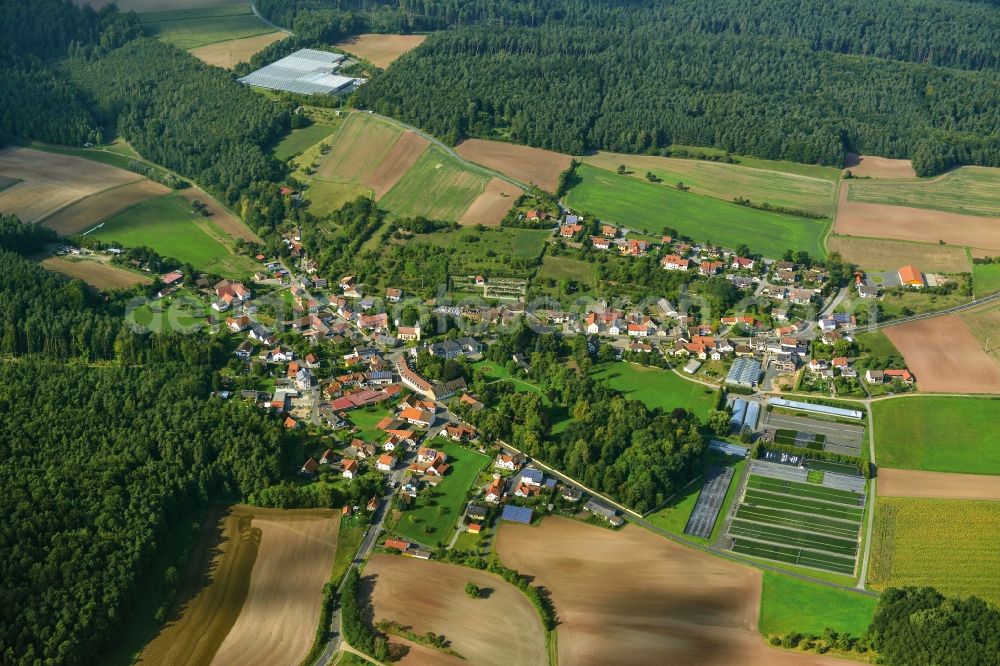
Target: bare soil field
(421,655)
(430,596)
(878,254)
(855,218)
(227,54)
(219,216)
(90,210)
(492,205)
(381,50)
(94,273)
(945,356)
(357,148)
(400,158)
(632,597)
(51,181)
(879,167)
(522,163)
(259,594)
(937,485)
(139,6)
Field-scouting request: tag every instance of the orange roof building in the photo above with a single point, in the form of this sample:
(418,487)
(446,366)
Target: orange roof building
(911,277)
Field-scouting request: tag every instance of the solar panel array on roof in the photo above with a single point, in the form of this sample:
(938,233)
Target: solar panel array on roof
(306,72)
(517,514)
(819,409)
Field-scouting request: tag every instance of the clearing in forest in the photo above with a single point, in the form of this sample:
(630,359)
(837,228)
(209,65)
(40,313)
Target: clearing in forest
(872,220)
(880,254)
(670,604)
(727,181)
(946,356)
(191,28)
(94,273)
(256,592)
(227,54)
(869,166)
(430,597)
(380,50)
(522,163)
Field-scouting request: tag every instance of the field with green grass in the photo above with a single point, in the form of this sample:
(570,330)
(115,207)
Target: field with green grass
(489,251)
(365,419)
(985,279)
(969,190)
(947,544)
(299,140)
(569,267)
(436,510)
(437,187)
(167,225)
(789,605)
(648,207)
(728,181)
(810,170)
(104,155)
(656,387)
(495,372)
(326,196)
(190,28)
(938,434)
(876,344)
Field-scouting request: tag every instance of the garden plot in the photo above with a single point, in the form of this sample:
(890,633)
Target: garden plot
(814,434)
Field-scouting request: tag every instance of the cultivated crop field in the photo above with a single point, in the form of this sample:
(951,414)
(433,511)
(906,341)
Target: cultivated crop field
(256,592)
(670,604)
(51,181)
(84,214)
(946,356)
(94,273)
(938,433)
(968,190)
(522,163)
(947,544)
(937,485)
(657,388)
(357,148)
(727,181)
(490,207)
(985,279)
(880,254)
(872,220)
(801,524)
(380,50)
(648,207)
(228,53)
(436,187)
(191,28)
(430,597)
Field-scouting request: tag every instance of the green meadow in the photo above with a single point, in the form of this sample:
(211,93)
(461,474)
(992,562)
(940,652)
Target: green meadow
(299,140)
(656,387)
(789,605)
(437,187)
(968,190)
(190,28)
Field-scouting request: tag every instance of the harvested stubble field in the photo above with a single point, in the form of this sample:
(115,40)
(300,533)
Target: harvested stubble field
(194,27)
(380,50)
(397,162)
(937,485)
(947,544)
(984,323)
(257,592)
(728,181)
(50,181)
(357,148)
(522,163)
(966,190)
(879,167)
(871,220)
(880,254)
(94,273)
(84,214)
(430,596)
(227,54)
(946,356)
(490,207)
(670,604)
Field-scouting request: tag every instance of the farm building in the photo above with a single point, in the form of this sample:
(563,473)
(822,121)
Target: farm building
(306,72)
(744,372)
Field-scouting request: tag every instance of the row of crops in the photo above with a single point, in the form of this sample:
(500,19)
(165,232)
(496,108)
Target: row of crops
(802,524)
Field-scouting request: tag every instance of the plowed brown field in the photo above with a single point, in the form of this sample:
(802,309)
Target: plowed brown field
(879,167)
(226,54)
(855,218)
(937,485)
(381,50)
(945,356)
(262,599)
(87,212)
(522,163)
(501,628)
(403,155)
(632,597)
(492,205)
(51,181)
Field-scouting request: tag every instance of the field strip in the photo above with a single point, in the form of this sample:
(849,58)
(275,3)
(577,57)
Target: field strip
(846,533)
(937,485)
(832,504)
(63,222)
(44,218)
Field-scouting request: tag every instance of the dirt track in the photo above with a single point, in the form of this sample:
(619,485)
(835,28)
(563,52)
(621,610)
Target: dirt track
(635,598)
(937,485)
(94,273)
(502,629)
(879,167)
(51,181)
(855,218)
(87,212)
(227,54)
(403,155)
(522,163)
(381,50)
(945,356)
(490,207)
